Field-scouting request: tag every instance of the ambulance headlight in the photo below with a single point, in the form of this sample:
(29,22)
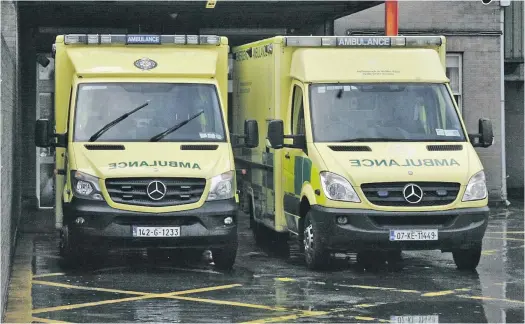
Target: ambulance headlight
(85,186)
(336,187)
(476,188)
(221,186)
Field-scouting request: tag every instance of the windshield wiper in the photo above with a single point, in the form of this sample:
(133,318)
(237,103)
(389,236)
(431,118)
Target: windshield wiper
(106,127)
(374,139)
(174,128)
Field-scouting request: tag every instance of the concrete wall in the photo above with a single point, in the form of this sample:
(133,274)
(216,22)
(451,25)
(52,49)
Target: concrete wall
(472,30)
(10,157)
(514,127)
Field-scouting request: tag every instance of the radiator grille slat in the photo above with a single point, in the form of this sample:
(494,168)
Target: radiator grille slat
(133,191)
(391,193)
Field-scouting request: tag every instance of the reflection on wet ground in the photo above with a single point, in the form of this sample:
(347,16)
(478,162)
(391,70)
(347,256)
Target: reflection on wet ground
(265,287)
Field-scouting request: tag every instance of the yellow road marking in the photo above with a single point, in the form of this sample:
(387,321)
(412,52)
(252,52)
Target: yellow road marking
(120,300)
(379,288)
(365,305)
(364,318)
(49,275)
(285,279)
(493,299)
(230,303)
(438,293)
(283,318)
(488,252)
(117,291)
(19,302)
(444,292)
(198,290)
(46,320)
(504,238)
(75,306)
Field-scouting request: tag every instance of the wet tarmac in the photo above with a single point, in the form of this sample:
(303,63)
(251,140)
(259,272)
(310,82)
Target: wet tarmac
(265,287)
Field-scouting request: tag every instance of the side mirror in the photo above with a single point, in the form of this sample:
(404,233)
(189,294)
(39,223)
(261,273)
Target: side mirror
(42,133)
(486,134)
(251,133)
(276,133)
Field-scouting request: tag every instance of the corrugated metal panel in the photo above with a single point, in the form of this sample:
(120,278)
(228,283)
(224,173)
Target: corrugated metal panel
(514,31)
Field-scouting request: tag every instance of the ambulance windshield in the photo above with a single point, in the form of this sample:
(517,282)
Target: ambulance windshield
(167,104)
(383,112)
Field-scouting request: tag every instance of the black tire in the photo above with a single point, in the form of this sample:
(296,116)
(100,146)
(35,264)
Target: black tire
(467,259)
(73,256)
(316,255)
(261,233)
(224,258)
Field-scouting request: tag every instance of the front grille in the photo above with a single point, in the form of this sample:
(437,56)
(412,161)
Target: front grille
(391,193)
(133,191)
(389,221)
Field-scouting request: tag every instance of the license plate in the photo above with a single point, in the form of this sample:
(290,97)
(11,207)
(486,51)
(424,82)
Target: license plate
(413,235)
(415,319)
(140,231)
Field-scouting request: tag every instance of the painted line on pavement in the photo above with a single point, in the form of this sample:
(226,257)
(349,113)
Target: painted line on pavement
(49,275)
(19,300)
(444,292)
(229,303)
(493,299)
(47,320)
(120,300)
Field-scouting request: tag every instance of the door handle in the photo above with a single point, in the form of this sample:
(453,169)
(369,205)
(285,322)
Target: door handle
(287,155)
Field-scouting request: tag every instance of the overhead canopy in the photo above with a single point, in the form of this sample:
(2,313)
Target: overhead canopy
(290,16)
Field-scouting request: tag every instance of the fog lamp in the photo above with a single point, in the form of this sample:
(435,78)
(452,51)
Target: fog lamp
(342,220)
(228,220)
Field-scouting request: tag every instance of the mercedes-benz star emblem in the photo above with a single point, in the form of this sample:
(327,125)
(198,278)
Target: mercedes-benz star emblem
(413,193)
(156,190)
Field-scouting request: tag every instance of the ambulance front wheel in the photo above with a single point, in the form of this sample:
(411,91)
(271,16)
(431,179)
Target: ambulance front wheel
(224,258)
(467,259)
(73,256)
(316,255)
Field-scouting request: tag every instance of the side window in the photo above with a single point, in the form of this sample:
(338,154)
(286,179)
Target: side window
(298,124)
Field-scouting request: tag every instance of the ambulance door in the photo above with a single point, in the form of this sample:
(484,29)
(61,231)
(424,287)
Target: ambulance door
(295,161)
(45,157)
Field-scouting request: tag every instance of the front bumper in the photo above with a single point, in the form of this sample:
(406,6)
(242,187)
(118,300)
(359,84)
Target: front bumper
(103,225)
(370,230)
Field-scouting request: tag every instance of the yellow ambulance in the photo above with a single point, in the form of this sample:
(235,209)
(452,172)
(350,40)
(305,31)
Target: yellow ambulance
(143,152)
(366,150)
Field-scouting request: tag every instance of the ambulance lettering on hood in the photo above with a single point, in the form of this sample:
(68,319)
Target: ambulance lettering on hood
(138,164)
(405,163)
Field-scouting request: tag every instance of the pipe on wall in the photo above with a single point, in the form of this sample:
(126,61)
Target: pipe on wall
(502,107)
(391,18)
